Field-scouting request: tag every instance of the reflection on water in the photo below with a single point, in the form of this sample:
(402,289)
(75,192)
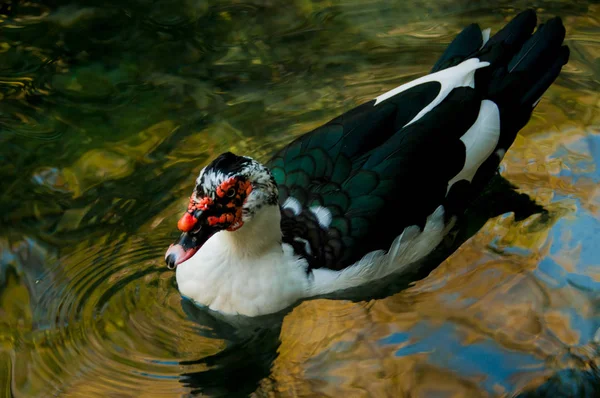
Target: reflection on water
(108,111)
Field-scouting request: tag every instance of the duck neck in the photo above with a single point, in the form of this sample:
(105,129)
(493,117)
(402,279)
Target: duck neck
(258,235)
(245,272)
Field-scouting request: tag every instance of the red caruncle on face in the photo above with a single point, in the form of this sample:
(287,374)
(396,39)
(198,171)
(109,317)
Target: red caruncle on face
(224,211)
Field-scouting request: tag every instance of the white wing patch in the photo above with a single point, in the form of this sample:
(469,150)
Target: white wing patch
(480,141)
(411,246)
(461,75)
(323,216)
(292,204)
(485,35)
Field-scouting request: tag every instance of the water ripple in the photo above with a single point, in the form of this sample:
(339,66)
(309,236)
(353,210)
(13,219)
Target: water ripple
(111,313)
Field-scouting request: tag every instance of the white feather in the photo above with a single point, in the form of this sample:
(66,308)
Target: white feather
(480,141)
(292,204)
(200,176)
(323,216)
(210,179)
(461,75)
(485,35)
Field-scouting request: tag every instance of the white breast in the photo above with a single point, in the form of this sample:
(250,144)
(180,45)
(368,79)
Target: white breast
(231,278)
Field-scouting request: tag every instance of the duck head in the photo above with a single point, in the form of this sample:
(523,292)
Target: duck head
(228,193)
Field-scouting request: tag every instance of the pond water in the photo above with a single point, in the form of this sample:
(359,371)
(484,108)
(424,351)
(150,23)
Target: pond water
(109,109)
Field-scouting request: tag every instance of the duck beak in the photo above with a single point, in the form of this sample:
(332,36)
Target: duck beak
(186,246)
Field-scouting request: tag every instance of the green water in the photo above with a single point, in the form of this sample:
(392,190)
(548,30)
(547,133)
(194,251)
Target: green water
(109,109)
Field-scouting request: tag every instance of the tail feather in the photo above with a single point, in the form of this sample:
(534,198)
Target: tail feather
(501,48)
(515,33)
(538,63)
(464,45)
(522,67)
(548,74)
(539,47)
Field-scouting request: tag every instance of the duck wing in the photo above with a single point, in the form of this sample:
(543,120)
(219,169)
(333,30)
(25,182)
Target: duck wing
(351,186)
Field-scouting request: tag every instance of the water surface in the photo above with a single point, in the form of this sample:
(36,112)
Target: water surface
(109,109)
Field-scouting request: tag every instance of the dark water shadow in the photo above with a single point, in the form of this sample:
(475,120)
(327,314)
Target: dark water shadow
(252,343)
(568,383)
(251,349)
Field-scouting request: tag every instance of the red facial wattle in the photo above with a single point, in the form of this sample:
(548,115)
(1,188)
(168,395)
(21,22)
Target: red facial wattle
(187,222)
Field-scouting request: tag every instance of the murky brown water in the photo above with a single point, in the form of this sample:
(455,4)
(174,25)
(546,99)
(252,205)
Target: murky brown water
(107,113)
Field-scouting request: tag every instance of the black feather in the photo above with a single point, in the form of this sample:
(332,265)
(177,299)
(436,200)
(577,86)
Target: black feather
(228,163)
(515,33)
(539,48)
(546,77)
(462,47)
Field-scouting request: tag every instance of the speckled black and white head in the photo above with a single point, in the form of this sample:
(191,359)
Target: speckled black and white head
(238,169)
(228,193)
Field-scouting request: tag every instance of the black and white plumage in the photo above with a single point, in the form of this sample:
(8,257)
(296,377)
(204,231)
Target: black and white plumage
(373,190)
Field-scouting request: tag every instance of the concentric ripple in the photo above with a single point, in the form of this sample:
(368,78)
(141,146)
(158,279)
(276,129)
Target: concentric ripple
(110,319)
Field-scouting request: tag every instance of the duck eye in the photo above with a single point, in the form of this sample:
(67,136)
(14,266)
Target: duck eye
(230,193)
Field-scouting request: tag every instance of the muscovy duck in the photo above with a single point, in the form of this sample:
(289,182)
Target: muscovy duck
(370,192)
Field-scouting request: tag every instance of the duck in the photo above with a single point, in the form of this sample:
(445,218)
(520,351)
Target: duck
(371,192)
